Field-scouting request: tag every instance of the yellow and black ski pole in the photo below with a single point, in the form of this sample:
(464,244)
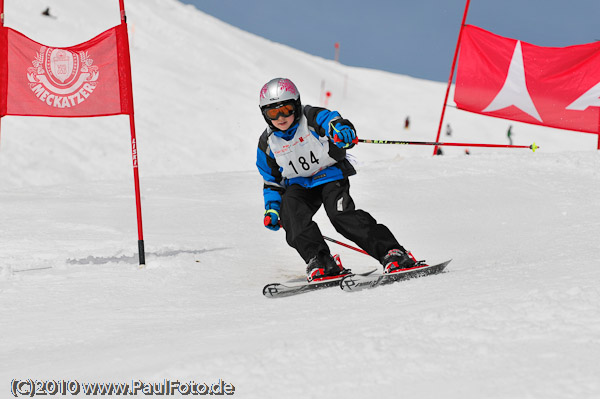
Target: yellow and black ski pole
(532,147)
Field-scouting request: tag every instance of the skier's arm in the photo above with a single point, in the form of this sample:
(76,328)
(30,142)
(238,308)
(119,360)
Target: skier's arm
(331,124)
(320,119)
(270,171)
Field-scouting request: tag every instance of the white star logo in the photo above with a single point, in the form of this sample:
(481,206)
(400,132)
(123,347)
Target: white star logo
(590,98)
(514,91)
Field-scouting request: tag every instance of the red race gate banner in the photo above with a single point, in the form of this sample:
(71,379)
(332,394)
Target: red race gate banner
(510,79)
(89,79)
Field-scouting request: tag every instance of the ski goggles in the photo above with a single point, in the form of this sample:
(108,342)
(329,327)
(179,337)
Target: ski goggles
(284,110)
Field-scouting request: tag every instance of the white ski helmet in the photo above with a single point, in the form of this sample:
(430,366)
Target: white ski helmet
(280,91)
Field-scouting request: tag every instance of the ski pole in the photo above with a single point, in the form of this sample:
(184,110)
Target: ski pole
(358,249)
(346,245)
(532,147)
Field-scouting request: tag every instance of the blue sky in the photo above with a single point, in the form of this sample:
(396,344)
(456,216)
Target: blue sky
(415,38)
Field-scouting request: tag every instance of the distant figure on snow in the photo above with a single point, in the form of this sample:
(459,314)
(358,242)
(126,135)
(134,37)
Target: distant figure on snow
(407,123)
(302,159)
(439,151)
(448,130)
(46,13)
(467,152)
(509,135)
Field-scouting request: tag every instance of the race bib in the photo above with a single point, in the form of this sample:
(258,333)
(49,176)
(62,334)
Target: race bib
(304,155)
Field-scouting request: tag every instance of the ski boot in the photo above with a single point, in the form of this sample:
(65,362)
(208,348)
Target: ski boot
(396,260)
(326,268)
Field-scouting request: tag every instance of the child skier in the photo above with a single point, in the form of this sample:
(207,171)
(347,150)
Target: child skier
(302,158)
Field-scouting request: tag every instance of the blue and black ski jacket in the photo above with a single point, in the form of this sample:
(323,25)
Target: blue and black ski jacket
(304,154)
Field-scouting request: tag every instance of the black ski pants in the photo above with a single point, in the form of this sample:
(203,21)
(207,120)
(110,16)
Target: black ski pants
(299,205)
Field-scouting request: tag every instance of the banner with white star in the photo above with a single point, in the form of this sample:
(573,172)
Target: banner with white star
(510,79)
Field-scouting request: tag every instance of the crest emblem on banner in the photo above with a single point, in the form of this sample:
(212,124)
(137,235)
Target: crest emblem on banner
(62,78)
(62,64)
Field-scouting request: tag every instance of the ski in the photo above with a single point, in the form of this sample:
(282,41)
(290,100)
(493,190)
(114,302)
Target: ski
(357,282)
(295,287)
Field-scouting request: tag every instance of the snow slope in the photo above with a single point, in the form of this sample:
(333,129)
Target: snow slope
(516,316)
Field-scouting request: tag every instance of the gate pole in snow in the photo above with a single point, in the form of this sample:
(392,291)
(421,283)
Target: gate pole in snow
(462,25)
(134,154)
(1,26)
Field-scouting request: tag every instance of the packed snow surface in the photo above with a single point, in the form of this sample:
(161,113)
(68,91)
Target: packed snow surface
(516,315)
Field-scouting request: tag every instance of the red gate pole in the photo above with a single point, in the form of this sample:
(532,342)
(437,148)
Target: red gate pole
(134,152)
(462,25)
(1,26)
